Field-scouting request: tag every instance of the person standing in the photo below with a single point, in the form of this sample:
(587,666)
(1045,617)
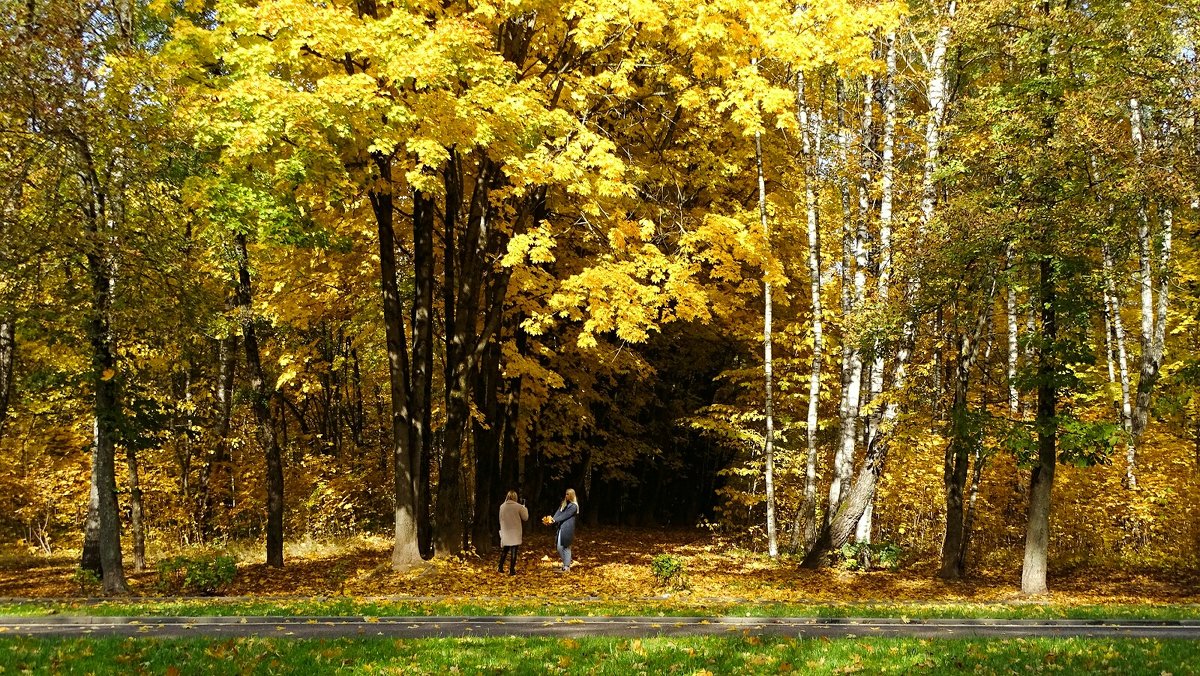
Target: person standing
(564,521)
(512,513)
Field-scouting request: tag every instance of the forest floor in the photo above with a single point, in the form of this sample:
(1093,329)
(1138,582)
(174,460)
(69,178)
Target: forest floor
(612,569)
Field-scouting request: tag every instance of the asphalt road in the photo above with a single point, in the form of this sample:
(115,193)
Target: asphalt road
(426,627)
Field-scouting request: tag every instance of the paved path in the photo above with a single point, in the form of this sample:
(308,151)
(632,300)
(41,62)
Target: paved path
(425,627)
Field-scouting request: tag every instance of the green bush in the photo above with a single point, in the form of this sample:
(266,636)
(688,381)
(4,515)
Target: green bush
(205,574)
(668,570)
(869,556)
(88,581)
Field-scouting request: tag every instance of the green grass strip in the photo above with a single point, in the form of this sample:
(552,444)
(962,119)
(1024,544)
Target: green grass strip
(693,655)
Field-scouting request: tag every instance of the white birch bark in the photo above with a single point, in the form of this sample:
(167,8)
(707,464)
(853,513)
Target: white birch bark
(1010,311)
(853,284)
(1118,329)
(883,257)
(769,434)
(811,131)
(1154,316)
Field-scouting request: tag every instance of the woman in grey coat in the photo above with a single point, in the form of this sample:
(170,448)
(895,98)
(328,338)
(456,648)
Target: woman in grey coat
(564,521)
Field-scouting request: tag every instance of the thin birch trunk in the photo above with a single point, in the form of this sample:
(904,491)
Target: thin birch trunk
(1118,329)
(1109,345)
(884,260)
(810,130)
(769,433)
(1010,368)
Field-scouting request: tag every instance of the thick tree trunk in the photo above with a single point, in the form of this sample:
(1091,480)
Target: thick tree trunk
(853,280)
(1037,536)
(810,130)
(463,279)
(107,410)
(485,435)
(768,365)
(406,550)
(261,394)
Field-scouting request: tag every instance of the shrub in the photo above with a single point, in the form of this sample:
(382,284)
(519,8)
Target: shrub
(869,556)
(668,570)
(206,574)
(88,581)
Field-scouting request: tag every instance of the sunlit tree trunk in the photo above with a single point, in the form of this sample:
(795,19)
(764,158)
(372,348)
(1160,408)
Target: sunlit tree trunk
(406,550)
(1037,531)
(811,131)
(1118,333)
(853,283)
(769,433)
(1037,536)
(884,261)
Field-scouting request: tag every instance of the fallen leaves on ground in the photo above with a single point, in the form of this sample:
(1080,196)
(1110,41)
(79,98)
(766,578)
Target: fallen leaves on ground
(614,563)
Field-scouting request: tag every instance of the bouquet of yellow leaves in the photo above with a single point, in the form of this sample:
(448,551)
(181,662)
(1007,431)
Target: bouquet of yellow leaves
(547,520)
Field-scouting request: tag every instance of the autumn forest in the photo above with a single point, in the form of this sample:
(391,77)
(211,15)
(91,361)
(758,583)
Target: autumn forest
(806,275)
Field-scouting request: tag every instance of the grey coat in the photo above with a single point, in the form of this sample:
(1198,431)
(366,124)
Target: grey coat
(564,521)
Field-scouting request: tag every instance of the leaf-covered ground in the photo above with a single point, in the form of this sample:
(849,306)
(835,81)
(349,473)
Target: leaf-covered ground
(614,564)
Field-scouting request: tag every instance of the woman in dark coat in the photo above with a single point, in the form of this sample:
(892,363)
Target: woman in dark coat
(564,521)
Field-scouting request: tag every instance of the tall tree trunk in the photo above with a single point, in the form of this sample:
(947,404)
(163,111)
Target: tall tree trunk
(1037,536)
(102,536)
(135,511)
(406,440)
(768,364)
(8,358)
(463,278)
(218,464)
(883,261)
(1117,325)
(810,130)
(853,281)
(107,410)
(963,440)
(486,443)
(261,395)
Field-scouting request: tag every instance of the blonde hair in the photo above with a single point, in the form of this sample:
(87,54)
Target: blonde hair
(570,498)
(512,495)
